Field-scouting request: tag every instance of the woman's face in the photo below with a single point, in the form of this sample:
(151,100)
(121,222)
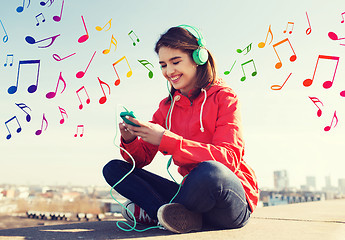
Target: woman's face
(178,68)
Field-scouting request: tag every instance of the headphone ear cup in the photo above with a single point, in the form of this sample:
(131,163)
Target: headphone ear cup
(200,56)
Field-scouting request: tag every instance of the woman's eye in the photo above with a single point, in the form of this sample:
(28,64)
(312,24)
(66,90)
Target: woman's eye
(175,63)
(163,66)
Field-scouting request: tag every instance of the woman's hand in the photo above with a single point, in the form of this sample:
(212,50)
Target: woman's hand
(126,135)
(149,132)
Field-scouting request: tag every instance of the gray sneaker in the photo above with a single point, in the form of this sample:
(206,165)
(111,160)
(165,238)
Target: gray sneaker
(139,214)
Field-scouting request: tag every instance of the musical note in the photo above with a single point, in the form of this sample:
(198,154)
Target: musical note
(11,63)
(5,38)
(43,20)
(82,129)
(342,15)
(38,132)
(53,94)
(315,100)
(228,72)
(129,73)
(334,36)
(58,18)
(62,111)
(58,58)
(112,42)
(327,128)
(31,88)
(21,8)
(342,93)
(31,40)
(22,106)
(248,48)
(44,3)
(254,72)
(137,39)
(289,24)
(144,63)
(326,84)
(103,99)
(86,36)
(87,100)
(278,87)
(18,129)
(81,74)
(98,28)
(308,31)
(263,44)
(292,58)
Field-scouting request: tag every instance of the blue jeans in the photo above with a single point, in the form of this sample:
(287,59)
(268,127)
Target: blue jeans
(210,188)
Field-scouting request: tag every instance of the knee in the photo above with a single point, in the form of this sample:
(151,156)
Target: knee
(112,167)
(212,170)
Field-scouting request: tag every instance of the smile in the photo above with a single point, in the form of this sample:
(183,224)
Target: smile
(175,78)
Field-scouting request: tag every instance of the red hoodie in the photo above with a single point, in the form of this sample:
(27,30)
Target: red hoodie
(208,128)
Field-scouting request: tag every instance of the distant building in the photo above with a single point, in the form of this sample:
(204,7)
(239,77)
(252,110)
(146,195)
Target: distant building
(311,183)
(341,185)
(281,180)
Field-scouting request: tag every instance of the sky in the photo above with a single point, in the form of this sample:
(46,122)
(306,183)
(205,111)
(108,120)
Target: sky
(282,129)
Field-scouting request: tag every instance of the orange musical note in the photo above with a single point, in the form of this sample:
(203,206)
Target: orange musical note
(62,111)
(129,73)
(53,94)
(22,106)
(84,37)
(19,129)
(254,72)
(278,87)
(81,74)
(31,40)
(327,128)
(315,100)
(248,48)
(112,42)
(6,63)
(326,84)
(292,24)
(87,100)
(137,39)
(82,131)
(103,99)
(38,132)
(98,28)
(263,44)
(144,63)
(292,58)
(308,31)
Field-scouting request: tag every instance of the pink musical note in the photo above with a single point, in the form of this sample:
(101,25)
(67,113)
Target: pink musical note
(87,100)
(144,63)
(334,36)
(278,87)
(129,73)
(62,111)
(327,128)
(342,15)
(22,106)
(81,74)
(292,58)
(137,39)
(82,131)
(315,100)
(18,129)
(53,94)
(292,24)
(58,58)
(98,28)
(58,18)
(38,132)
(86,36)
(6,63)
(43,18)
(342,93)
(103,99)
(31,88)
(244,74)
(112,42)
(31,40)
(326,84)
(308,31)
(21,8)
(263,44)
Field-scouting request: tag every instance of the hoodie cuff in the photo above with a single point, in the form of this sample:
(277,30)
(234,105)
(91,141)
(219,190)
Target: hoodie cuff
(170,141)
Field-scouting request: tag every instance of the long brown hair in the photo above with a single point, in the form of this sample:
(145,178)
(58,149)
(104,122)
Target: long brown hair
(182,39)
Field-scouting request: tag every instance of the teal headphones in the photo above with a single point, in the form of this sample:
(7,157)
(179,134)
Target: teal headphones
(200,55)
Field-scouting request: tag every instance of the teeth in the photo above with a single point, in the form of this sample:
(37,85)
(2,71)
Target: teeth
(175,78)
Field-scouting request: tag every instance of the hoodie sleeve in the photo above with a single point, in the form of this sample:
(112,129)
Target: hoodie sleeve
(226,146)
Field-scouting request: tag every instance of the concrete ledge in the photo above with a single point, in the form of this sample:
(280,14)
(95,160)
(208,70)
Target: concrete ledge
(311,220)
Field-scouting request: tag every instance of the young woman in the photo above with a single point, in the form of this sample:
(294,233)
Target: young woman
(200,127)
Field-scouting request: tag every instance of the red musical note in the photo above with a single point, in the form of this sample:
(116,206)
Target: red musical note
(112,42)
(137,39)
(308,31)
(38,132)
(315,100)
(58,58)
(327,128)
(43,20)
(31,88)
(6,63)
(86,36)
(81,74)
(58,18)
(22,106)
(31,40)
(129,73)
(342,93)
(263,44)
(82,129)
(87,100)
(289,24)
(326,84)
(253,73)
(98,28)
(18,129)
(278,87)
(334,36)
(62,111)
(103,99)
(342,15)
(292,58)
(144,63)
(53,94)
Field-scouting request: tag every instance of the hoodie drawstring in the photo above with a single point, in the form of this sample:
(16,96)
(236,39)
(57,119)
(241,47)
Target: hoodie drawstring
(201,110)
